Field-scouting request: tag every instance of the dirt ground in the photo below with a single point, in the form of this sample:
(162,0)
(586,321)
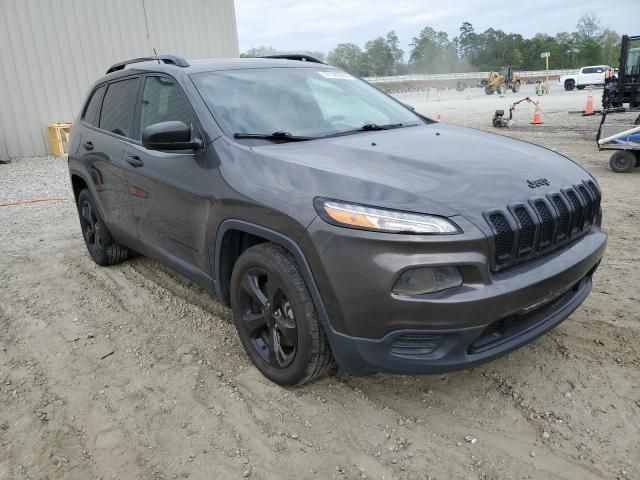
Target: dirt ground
(131,372)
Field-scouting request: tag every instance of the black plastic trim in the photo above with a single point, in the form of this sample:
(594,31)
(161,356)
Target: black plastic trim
(166,59)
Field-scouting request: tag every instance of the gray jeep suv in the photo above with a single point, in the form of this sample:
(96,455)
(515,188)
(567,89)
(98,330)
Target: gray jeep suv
(339,225)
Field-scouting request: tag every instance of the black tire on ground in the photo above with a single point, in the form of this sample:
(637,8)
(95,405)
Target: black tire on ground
(488,90)
(276,318)
(101,246)
(516,87)
(622,161)
(580,87)
(569,85)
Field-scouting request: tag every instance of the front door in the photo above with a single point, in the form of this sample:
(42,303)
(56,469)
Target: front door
(166,187)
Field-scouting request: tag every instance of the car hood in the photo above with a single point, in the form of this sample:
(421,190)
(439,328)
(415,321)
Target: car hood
(436,168)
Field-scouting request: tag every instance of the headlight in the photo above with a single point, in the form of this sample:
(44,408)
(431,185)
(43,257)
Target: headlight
(380,219)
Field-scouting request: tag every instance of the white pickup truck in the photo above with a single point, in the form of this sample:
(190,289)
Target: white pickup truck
(586,76)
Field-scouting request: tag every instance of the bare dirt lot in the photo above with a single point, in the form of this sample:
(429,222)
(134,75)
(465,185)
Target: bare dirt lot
(131,372)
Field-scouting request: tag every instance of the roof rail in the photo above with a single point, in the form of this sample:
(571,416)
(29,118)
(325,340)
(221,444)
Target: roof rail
(295,56)
(169,59)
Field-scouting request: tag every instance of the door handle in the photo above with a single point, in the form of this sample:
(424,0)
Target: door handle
(134,161)
(88,145)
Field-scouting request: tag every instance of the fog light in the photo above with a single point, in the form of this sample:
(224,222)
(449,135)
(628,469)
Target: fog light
(427,280)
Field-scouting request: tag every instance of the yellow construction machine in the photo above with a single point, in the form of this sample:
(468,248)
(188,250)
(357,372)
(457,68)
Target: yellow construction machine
(501,81)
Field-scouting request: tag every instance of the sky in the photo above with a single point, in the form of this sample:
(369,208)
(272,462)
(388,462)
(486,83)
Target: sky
(321,25)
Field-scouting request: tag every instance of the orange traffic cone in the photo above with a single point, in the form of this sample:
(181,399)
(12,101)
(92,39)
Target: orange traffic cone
(537,115)
(588,109)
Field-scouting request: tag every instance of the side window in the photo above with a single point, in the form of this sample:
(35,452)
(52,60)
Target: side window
(118,107)
(588,70)
(163,101)
(93,106)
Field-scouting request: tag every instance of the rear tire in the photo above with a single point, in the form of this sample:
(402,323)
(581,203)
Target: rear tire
(569,85)
(580,87)
(516,87)
(488,90)
(101,246)
(276,318)
(622,161)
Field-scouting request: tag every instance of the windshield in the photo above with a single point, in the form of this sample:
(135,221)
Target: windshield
(305,102)
(633,62)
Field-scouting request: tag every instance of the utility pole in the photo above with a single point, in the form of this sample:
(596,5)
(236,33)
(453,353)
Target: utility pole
(545,55)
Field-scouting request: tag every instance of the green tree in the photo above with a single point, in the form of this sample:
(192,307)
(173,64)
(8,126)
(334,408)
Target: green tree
(393,42)
(433,52)
(589,37)
(378,58)
(348,57)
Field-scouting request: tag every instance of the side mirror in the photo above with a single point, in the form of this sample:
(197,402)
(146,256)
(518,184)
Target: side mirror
(172,135)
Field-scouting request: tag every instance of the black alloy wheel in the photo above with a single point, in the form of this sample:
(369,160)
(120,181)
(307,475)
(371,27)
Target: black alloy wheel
(276,317)
(91,228)
(267,318)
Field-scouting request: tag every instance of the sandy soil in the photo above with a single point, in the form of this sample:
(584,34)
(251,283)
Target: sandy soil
(131,372)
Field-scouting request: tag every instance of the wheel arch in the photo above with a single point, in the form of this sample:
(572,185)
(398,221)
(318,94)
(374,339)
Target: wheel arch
(343,350)
(234,237)
(78,183)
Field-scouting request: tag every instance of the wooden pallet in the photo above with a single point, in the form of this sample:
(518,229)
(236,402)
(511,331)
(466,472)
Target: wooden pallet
(59,138)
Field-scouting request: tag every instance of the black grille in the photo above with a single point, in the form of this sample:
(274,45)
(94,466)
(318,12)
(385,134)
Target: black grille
(563,214)
(527,231)
(503,238)
(576,206)
(588,204)
(596,195)
(545,225)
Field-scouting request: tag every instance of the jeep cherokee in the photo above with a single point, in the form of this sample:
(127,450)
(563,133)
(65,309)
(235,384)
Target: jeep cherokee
(340,225)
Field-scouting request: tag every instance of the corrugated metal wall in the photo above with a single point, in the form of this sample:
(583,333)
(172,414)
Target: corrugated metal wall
(52,50)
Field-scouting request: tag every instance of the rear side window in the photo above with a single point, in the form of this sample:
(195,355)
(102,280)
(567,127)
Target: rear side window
(118,107)
(93,106)
(589,70)
(163,101)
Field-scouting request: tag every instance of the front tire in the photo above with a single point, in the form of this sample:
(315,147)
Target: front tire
(101,246)
(276,318)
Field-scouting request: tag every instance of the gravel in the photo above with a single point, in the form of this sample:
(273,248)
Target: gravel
(37,177)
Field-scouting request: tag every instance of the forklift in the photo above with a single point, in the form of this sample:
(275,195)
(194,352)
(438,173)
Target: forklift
(618,130)
(625,87)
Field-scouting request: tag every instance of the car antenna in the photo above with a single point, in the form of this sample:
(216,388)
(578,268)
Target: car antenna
(156,54)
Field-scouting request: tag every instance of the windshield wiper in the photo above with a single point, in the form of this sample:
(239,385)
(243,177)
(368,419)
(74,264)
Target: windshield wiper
(371,127)
(285,136)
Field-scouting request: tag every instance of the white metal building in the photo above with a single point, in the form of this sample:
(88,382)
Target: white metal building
(51,51)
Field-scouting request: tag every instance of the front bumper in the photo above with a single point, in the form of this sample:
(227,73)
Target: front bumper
(372,330)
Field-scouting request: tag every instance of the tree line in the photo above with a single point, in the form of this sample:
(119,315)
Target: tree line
(434,52)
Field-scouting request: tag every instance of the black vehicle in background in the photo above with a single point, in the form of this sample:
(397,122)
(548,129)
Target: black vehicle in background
(625,87)
(337,223)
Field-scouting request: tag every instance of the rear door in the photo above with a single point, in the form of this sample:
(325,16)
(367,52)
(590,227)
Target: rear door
(166,187)
(597,78)
(108,119)
(584,77)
